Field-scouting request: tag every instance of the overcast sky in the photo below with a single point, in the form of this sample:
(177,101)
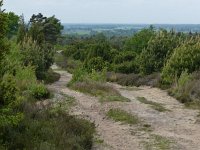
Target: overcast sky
(111,11)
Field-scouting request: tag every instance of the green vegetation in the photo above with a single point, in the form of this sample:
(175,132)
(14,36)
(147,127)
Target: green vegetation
(26,54)
(134,79)
(131,88)
(114,98)
(152,57)
(122,116)
(94,84)
(157,106)
(51,77)
(65,103)
(158,143)
(48,130)
(146,128)
(186,89)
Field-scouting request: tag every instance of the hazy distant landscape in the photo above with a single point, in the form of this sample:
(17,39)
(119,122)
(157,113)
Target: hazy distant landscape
(124,29)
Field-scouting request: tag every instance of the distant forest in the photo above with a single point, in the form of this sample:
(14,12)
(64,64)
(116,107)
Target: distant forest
(124,29)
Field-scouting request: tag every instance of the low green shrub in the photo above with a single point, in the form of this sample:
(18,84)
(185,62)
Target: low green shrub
(51,77)
(66,63)
(94,88)
(125,67)
(46,130)
(8,90)
(187,89)
(96,63)
(25,77)
(81,75)
(134,79)
(122,116)
(98,76)
(39,91)
(185,57)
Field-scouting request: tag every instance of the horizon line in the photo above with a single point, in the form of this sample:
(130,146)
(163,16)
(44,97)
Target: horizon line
(134,23)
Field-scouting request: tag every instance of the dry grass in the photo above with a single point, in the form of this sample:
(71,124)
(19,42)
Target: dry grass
(158,142)
(134,79)
(188,92)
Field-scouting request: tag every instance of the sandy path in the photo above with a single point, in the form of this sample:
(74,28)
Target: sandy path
(178,124)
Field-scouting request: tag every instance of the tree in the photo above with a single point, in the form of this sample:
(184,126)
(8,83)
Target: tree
(52,29)
(35,55)
(22,30)
(158,50)
(140,40)
(100,50)
(13,24)
(3,31)
(185,57)
(43,29)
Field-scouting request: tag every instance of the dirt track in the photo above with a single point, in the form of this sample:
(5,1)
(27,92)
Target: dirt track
(178,124)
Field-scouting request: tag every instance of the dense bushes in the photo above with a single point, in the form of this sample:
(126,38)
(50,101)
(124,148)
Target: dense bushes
(187,89)
(39,91)
(185,57)
(39,56)
(51,77)
(8,90)
(48,129)
(23,124)
(125,67)
(158,50)
(96,63)
(140,40)
(81,75)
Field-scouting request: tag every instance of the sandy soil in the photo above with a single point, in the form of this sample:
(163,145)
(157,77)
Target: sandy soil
(178,125)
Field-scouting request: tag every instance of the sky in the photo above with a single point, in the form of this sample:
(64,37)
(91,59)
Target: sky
(111,11)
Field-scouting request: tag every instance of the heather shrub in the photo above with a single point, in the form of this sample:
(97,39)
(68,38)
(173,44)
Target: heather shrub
(187,89)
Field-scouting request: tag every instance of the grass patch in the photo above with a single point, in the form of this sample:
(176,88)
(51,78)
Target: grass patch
(154,105)
(67,63)
(65,103)
(193,105)
(158,143)
(102,90)
(98,140)
(115,98)
(122,116)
